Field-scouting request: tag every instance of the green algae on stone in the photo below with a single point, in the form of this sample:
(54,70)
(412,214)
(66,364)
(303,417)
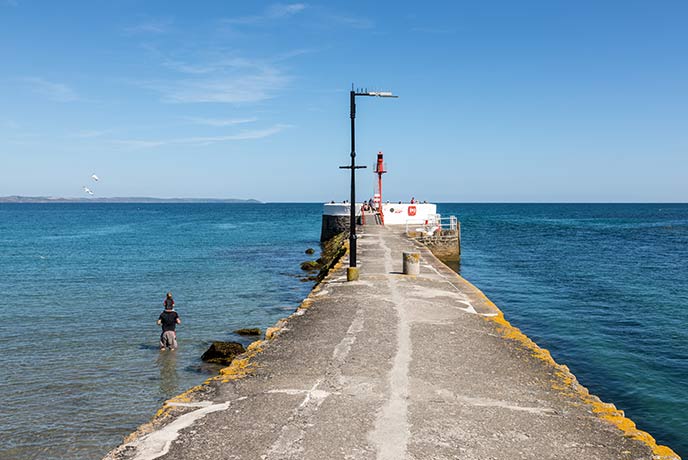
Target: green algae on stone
(222,352)
(310,265)
(248,331)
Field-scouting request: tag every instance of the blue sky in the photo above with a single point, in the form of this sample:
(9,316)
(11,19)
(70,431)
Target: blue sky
(545,101)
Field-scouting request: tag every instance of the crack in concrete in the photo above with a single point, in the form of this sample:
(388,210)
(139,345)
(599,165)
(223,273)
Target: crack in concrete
(289,444)
(157,443)
(391,432)
(487,402)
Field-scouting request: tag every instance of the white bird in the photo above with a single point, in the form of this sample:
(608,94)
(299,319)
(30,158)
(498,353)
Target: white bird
(95,178)
(88,190)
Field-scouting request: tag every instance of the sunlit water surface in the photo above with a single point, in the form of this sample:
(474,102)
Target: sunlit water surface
(82,286)
(603,287)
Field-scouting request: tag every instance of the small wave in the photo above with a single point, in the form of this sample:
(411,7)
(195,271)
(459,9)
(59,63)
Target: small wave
(226,226)
(94,232)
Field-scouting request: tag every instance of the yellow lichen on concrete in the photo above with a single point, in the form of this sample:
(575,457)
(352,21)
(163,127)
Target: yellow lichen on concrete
(161,414)
(241,366)
(239,369)
(271,332)
(484,298)
(567,384)
(513,333)
(412,257)
(256,346)
(611,414)
(306,304)
(186,396)
(180,398)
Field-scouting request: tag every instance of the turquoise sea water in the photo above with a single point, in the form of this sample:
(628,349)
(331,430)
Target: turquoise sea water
(82,286)
(603,287)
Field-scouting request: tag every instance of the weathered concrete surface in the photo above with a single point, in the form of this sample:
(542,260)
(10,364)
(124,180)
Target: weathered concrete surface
(392,367)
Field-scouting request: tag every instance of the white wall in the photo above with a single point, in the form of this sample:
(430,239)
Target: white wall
(395,213)
(398,214)
(339,209)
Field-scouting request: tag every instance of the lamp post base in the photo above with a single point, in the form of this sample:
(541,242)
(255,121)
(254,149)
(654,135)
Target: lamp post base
(352,274)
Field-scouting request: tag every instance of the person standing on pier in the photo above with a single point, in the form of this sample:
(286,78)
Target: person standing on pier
(168,319)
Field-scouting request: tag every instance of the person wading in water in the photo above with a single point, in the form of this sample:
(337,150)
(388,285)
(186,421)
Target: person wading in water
(168,320)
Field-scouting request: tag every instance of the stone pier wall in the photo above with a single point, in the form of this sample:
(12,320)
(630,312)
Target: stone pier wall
(333,225)
(445,246)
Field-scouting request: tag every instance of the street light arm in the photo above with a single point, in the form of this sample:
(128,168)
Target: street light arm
(377,94)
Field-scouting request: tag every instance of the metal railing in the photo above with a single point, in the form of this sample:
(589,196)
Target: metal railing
(433,226)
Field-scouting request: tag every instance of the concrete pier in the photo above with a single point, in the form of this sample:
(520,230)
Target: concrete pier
(392,367)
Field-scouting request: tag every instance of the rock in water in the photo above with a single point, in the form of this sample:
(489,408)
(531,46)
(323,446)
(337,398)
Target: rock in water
(248,331)
(310,251)
(223,352)
(310,265)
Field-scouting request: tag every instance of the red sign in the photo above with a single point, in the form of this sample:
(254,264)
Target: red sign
(411,210)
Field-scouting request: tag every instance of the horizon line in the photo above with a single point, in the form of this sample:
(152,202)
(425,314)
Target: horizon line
(132,199)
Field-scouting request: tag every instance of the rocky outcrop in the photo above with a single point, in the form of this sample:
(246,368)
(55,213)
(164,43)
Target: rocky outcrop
(248,331)
(332,250)
(310,265)
(223,352)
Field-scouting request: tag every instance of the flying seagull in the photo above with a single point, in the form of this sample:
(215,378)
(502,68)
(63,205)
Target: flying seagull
(95,178)
(88,190)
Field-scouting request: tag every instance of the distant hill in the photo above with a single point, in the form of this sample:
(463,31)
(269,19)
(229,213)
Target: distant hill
(134,199)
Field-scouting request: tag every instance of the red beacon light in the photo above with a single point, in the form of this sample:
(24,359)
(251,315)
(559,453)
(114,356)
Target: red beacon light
(377,197)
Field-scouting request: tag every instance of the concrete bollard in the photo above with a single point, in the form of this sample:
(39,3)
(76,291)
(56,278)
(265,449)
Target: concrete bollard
(411,263)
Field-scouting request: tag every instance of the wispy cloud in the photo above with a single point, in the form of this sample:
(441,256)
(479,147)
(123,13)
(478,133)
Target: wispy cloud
(191,69)
(292,54)
(273,12)
(281,11)
(155,27)
(354,22)
(52,90)
(221,122)
(203,140)
(215,65)
(139,143)
(226,81)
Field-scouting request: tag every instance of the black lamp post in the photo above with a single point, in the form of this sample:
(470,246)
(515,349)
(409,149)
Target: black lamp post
(352,274)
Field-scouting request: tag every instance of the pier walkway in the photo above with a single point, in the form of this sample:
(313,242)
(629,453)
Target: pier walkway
(392,367)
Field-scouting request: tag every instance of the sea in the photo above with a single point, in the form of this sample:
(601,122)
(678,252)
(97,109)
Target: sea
(604,287)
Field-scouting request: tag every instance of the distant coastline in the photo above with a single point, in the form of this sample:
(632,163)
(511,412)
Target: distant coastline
(52,199)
